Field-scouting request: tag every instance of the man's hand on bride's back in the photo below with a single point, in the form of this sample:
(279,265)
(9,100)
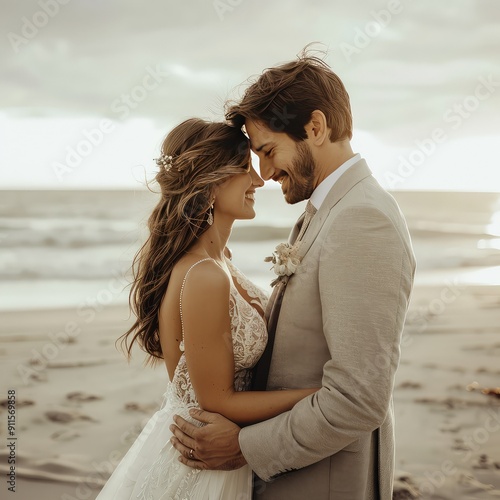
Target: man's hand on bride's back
(214,446)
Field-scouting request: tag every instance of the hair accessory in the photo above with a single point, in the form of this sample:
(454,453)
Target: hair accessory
(164,161)
(210,219)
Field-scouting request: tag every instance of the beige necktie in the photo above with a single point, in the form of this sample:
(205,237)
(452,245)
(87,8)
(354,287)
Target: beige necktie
(309,214)
(261,370)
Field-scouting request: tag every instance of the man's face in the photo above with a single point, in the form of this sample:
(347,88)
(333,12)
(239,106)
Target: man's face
(283,160)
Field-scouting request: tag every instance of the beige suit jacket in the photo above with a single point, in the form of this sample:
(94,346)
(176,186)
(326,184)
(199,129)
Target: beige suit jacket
(339,328)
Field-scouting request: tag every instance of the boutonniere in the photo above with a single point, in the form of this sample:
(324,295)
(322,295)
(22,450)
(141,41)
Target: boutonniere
(285,261)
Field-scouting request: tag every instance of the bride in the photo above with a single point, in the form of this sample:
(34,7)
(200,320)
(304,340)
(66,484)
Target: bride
(197,313)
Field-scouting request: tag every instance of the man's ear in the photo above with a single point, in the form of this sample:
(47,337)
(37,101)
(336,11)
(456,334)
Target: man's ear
(317,128)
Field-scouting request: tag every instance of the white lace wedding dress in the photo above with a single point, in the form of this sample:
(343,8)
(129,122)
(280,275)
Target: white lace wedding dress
(150,470)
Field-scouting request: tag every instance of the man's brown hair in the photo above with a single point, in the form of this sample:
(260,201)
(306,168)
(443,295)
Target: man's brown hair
(284,97)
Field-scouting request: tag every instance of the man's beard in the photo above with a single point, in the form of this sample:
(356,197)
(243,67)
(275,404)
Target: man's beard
(301,178)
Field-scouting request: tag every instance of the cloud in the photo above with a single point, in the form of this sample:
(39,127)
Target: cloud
(91,58)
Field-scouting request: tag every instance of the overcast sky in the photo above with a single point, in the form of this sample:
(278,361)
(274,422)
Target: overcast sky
(423,77)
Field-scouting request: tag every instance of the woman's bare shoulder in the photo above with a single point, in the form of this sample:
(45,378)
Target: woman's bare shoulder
(203,273)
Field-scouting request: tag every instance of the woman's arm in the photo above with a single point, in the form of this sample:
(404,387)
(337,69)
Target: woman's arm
(209,352)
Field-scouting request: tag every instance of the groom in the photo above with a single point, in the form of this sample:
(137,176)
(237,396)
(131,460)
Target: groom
(342,312)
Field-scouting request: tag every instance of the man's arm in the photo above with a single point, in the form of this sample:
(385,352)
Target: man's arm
(365,279)
(214,446)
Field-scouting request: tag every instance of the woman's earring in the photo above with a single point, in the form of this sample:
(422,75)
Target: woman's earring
(210,219)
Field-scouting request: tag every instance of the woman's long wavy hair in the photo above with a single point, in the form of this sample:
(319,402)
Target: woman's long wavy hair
(204,155)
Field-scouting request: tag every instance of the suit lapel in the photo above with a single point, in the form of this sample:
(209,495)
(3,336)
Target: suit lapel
(344,184)
(291,239)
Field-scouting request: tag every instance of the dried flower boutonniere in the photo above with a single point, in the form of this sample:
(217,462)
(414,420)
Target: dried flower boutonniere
(285,261)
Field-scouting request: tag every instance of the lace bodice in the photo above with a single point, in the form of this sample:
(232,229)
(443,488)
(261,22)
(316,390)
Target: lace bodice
(151,469)
(249,334)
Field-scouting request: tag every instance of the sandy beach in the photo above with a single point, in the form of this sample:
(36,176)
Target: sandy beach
(79,404)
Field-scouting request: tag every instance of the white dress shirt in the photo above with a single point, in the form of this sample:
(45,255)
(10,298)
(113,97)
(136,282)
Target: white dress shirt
(320,193)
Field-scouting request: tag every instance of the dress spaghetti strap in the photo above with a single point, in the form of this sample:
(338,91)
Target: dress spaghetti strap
(181,345)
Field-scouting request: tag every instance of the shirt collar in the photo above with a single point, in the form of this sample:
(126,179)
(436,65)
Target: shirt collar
(321,192)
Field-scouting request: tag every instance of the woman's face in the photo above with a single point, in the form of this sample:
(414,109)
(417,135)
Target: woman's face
(235,197)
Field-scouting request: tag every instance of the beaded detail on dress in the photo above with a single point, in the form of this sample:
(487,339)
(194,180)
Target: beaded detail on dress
(150,470)
(249,334)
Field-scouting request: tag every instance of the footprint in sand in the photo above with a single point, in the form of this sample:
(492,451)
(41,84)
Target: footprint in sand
(458,369)
(460,445)
(482,369)
(64,417)
(483,462)
(453,430)
(64,435)
(20,403)
(472,485)
(37,376)
(143,408)
(82,397)
(408,384)
(404,487)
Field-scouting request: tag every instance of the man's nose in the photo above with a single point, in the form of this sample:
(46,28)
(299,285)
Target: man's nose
(266,169)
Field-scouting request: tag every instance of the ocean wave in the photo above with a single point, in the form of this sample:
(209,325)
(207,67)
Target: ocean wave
(34,263)
(70,233)
(433,229)
(49,274)
(85,233)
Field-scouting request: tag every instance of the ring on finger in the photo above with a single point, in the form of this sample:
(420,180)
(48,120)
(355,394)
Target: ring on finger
(191,454)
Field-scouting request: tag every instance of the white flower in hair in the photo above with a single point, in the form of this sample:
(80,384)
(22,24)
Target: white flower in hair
(164,161)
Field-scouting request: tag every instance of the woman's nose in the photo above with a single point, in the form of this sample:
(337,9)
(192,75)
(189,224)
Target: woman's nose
(256,179)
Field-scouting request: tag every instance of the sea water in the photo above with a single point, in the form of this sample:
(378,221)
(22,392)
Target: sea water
(65,248)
